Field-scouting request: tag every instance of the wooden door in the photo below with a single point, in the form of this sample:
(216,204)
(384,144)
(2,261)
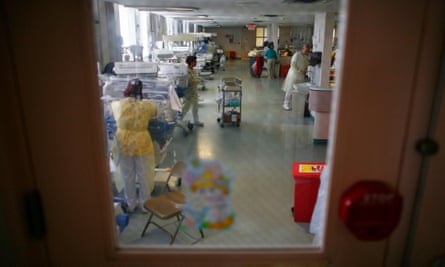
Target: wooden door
(390,61)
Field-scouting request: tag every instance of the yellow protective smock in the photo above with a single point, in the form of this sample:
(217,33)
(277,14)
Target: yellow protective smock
(132,127)
(133,148)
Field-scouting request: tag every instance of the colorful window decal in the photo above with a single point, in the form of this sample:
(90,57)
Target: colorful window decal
(207,187)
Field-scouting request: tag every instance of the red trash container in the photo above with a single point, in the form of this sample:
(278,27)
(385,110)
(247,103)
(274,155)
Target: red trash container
(284,70)
(232,54)
(259,60)
(307,181)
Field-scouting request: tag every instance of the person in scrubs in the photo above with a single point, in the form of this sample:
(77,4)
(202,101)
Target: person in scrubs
(298,68)
(271,56)
(132,146)
(191,97)
(204,48)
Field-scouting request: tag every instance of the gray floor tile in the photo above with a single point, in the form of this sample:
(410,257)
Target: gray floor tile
(260,152)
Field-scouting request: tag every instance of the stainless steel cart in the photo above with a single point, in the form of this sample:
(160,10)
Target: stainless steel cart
(229,102)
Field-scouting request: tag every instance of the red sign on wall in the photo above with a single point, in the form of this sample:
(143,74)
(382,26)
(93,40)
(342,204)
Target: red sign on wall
(251,26)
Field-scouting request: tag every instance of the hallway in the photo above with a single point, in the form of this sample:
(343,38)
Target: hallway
(260,152)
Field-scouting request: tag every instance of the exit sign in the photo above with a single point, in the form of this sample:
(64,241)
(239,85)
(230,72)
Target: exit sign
(251,27)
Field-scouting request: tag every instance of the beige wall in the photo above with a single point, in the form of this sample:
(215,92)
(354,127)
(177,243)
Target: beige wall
(241,40)
(285,36)
(296,36)
(236,39)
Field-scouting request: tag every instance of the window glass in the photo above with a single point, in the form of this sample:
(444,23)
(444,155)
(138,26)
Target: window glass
(257,145)
(261,36)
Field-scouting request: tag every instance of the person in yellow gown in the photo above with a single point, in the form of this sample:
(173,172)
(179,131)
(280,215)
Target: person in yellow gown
(132,146)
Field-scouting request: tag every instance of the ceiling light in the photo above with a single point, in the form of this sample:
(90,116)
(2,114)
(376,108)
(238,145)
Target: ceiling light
(246,3)
(167,9)
(298,1)
(181,9)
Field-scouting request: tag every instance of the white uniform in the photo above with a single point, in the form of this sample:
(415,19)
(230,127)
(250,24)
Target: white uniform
(296,74)
(191,97)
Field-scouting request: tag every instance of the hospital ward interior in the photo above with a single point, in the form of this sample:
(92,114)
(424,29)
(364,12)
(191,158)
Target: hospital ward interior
(248,175)
(239,133)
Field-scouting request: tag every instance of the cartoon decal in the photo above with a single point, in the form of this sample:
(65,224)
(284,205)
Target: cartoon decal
(208,187)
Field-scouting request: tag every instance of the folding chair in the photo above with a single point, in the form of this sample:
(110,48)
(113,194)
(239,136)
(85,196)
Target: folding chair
(175,172)
(168,205)
(166,180)
(163,208)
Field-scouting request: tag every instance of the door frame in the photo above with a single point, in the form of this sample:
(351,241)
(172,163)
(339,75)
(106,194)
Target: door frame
(55,112)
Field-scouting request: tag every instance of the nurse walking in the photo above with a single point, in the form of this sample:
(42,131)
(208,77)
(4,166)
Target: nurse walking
(298,68)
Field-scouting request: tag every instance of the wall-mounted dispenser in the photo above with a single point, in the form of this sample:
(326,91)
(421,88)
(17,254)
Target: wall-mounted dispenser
(314,58)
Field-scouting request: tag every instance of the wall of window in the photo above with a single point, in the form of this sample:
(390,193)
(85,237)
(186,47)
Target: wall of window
(144,30)
(260,36)
(127,25)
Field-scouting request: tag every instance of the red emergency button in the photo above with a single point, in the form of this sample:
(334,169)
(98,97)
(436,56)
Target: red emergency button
(370,210)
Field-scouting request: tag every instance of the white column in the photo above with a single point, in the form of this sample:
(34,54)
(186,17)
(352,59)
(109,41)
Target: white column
(322,41)
(272,34)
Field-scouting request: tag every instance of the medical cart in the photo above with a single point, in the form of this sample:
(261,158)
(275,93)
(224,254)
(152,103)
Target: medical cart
(229,102)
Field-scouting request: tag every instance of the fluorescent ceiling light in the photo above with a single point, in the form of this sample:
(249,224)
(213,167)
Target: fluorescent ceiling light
(246,3)
(167,9)
(182,9)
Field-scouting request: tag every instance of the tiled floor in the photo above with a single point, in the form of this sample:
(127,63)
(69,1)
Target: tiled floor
(260,152)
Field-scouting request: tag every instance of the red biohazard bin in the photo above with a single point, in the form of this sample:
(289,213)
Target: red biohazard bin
(307,181)
(284,69)
(232,55)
